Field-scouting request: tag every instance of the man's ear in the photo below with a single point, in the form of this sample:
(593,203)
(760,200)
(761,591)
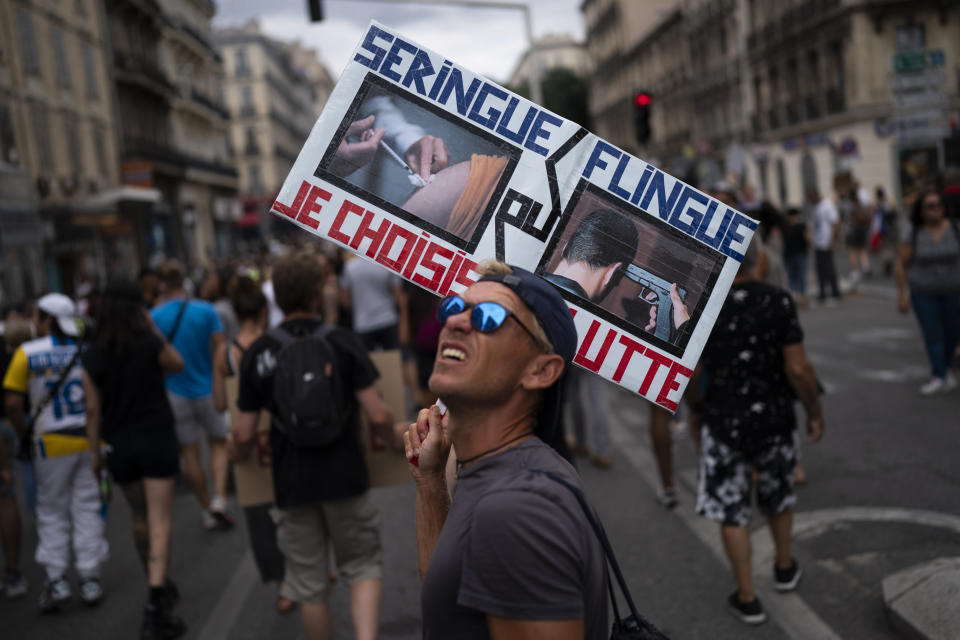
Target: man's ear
(609,272)
(542,371)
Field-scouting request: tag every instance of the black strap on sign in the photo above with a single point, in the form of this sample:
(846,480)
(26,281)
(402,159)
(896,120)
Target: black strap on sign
(634,626)
(176,323)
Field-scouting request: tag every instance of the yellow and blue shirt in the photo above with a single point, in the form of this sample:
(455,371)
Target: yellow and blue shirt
(34,370)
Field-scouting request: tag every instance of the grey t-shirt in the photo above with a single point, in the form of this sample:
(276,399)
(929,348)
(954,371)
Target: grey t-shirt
(371,290)
(515,544)
(935,267)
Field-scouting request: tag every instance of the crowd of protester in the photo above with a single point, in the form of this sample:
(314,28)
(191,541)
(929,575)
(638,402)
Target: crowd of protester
(128,385)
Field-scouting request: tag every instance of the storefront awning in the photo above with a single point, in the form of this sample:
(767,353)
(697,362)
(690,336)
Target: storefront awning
(250,218)
(108,199)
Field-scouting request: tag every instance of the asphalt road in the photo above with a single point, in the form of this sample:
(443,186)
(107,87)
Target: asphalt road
(881,496)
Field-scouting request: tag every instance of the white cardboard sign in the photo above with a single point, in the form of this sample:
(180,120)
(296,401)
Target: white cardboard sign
(643,260)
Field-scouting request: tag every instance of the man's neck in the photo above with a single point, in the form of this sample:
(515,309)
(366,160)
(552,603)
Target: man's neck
(590,278)
(173,295)
(478,430)
(299,315)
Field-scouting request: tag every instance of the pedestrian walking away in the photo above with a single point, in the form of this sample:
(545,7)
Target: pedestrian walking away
(929,265)
(315,381)
(194,329)
(126,405)
(16,331)
(826,229)
(68,498)
(250,307)
(756,364)
(512,554)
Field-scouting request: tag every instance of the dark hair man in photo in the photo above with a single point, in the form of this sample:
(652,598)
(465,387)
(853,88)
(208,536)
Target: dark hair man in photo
(602,244)
(755,364)
(315,381)
(512,555)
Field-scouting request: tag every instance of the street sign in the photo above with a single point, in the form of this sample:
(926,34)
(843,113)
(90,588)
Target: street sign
(918,60)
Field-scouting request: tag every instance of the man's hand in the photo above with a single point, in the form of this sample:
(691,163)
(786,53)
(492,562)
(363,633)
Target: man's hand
(428,441)
(351,156)
(96,462)
(814,428)
(903,303)
(427,155)
(680,312)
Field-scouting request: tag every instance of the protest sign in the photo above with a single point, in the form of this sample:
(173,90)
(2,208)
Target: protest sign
(253,477)
(643,260)
(384,466)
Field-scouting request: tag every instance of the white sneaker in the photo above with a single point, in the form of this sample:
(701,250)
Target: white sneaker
(949,383)
(209,522)
(936,385)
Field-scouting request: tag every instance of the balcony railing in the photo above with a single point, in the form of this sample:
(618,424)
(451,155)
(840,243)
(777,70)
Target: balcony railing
(209,102)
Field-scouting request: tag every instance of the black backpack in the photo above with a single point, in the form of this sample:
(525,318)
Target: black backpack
(307,388)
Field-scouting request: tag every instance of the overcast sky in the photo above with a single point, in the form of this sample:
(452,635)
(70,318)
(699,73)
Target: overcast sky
(489,41)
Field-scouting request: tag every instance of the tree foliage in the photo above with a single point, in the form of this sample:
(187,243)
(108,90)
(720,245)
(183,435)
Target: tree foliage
(564,93)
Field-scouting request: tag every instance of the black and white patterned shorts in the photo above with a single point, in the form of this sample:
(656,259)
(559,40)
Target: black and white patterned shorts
(725,482)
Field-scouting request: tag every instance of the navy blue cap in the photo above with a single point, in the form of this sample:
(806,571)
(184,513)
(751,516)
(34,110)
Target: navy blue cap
(553,315)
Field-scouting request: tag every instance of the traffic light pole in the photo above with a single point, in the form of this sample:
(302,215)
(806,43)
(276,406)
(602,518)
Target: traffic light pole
(535,92)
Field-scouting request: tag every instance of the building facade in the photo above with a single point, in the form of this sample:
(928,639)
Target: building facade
(821,98)
(57,148)
(553,51)
(781,95)
(274,92)
(199,124)
(614,28)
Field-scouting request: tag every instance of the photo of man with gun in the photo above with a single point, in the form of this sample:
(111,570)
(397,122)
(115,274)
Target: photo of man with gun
(603,248)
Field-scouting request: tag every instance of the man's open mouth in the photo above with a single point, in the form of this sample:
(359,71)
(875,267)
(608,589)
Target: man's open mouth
(452,353)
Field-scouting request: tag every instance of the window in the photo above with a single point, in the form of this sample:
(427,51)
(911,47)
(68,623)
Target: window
(253,172)
(782,181)
(242,66)
(8,143)
(252,147)
(90,70)
(910,37)
(60,53)
(73,143)
(99,147)
(41,131)
(246,106)
(28,42)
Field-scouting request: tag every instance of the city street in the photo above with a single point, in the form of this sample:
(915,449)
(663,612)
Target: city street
(881,495)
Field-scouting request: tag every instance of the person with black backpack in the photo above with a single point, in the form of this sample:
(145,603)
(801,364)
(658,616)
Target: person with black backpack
(315,380)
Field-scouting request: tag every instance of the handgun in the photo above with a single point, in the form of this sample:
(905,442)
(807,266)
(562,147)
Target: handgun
(635,307)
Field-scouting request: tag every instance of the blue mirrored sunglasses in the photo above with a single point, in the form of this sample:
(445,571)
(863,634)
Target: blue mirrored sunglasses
(486,317)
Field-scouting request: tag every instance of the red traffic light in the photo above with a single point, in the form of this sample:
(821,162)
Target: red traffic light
(642,99)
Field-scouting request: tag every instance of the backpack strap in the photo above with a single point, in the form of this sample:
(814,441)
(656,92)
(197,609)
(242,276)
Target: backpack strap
(282,336)
(176,323)
(642,624)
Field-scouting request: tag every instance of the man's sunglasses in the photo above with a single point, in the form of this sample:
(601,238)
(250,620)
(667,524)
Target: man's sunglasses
(486,317)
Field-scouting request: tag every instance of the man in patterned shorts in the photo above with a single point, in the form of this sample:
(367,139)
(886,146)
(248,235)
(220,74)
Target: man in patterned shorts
(755,365)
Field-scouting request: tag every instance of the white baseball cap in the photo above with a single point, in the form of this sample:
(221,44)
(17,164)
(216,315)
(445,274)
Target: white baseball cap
(63,309)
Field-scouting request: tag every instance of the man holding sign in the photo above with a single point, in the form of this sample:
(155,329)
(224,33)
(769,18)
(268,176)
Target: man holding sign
(512,556)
